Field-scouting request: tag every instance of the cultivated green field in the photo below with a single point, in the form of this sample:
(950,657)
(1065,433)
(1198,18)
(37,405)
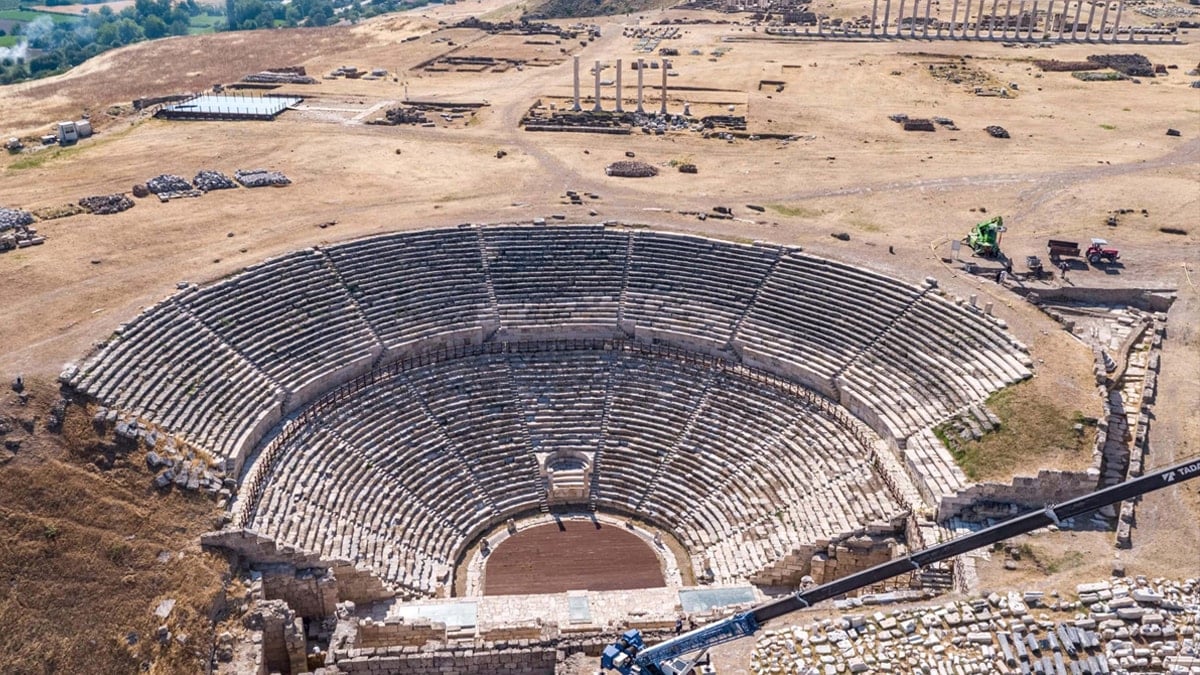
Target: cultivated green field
(203,23)
(27,15)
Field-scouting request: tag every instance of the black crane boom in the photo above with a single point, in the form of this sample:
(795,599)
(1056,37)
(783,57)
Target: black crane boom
(630,655)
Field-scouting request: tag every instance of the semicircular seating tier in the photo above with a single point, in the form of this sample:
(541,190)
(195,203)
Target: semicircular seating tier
(400,472)
(221,365)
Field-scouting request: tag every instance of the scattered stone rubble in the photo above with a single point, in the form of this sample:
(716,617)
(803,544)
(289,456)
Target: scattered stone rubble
(996,132)
(207,181)
(106,204)
(970,425)
(253,178)
(630,169)
(179,466)
(1135,625)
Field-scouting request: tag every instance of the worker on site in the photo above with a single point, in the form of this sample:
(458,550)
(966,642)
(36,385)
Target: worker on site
(1064,267)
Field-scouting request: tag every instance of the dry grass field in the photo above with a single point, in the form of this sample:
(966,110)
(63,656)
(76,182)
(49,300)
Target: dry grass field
(90,550)
(1078,151)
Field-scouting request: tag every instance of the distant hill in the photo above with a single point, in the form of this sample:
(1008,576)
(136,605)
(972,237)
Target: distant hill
(566,9)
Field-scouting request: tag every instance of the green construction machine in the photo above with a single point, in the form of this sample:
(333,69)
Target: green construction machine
(984,238)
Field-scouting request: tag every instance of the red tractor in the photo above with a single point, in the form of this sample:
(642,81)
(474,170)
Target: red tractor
(1099,252)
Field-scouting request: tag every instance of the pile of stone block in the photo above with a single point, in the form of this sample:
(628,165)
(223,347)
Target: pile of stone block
(168,186)
(271,77)
(13,218)
(20,236)
(253,178)
(208,181)
(168,183)
(996,131)
(406,116)
(1136,625)
(1133,65)
(103,205)
(1056,66)
(630,169)
(918,124)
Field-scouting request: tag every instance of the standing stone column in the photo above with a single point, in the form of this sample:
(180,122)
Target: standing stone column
(925,32)
(619,108)
(1049,19)
(641,68)
(1020,17)
(954,18)
(663,110)
(874,15)
(1075,22)
(1117,19)
(1007,18)
(1062,23)
(597,107)
(576,107)
(900,20)
(1087,32)
(887,13)
(979,20)
(1103,21)
(992,20)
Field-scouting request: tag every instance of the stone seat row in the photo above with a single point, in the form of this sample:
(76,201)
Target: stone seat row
(414,285)
(932,361)
(540,276)
(402,474)
(257,340)
(289,316)
(183,378)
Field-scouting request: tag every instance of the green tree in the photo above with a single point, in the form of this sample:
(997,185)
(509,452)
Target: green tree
(154,27)
(129,31)
(108,35)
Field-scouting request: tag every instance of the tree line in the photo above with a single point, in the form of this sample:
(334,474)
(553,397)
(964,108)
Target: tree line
(53,47)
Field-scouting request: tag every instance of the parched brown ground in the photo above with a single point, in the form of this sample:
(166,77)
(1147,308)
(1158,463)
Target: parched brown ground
(579,556)
(1078,151)
(90,549)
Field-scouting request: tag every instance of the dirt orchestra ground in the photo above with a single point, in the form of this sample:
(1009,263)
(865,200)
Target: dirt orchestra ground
(572,556)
